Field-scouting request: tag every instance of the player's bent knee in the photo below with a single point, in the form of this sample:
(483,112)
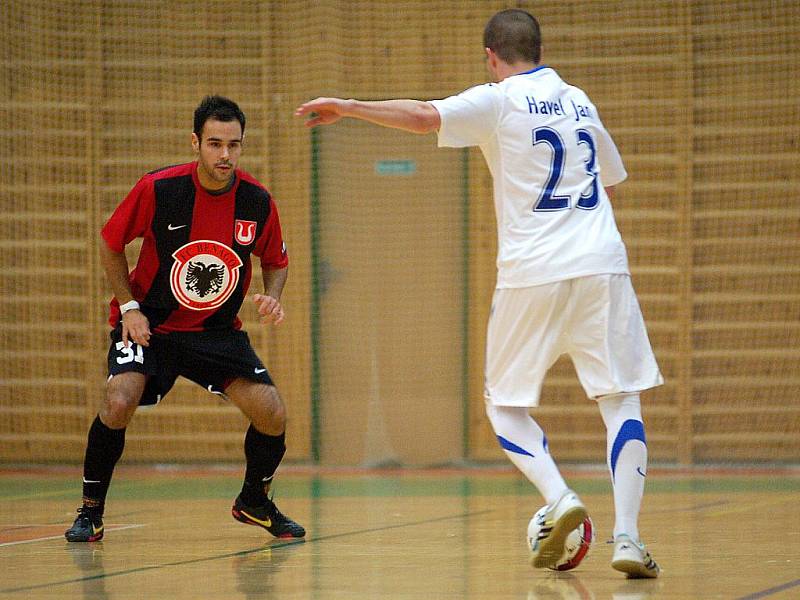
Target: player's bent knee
(274,414)
(123,393)
(261,403)
(118,409)
(502,417)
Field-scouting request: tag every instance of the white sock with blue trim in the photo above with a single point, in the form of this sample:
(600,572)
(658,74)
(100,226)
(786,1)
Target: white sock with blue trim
(525,444)
(627,458)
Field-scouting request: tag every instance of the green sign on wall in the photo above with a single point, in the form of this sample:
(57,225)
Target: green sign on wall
(395,167)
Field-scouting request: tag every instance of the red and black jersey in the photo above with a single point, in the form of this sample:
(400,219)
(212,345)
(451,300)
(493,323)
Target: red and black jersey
(194,267)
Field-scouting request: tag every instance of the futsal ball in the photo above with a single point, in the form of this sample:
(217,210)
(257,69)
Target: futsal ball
(576,546)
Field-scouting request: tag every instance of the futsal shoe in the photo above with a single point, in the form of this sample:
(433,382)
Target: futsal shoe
(88,526)
(267,516)
(564,516)
(633,559)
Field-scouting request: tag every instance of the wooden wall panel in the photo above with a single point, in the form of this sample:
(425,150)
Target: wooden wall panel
(700,97)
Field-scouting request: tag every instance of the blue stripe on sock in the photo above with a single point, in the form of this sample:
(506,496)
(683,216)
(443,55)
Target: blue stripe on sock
(512,447)
(630,430)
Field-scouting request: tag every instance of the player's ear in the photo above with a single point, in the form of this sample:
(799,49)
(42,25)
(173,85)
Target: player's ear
(195,143)
(491,62)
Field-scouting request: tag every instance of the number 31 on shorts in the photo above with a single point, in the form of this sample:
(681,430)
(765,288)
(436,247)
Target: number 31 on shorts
(133,352)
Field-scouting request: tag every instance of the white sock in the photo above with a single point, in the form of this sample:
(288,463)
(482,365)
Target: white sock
(627,458)
(525,444)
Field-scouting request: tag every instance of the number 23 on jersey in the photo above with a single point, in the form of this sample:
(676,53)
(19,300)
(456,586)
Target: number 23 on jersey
(549,200)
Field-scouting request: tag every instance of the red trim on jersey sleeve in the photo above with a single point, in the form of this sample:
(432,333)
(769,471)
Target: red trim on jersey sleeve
(132,217)
(269,246)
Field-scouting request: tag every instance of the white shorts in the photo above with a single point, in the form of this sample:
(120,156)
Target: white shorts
(596,320)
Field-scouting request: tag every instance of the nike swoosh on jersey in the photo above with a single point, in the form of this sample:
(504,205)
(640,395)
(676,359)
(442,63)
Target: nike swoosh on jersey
(259,371)
(172,227)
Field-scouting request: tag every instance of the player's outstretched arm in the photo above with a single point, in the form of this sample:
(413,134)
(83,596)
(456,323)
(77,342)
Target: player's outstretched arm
(415,116)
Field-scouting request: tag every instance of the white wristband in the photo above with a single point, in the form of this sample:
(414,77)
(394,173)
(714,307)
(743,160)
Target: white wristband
(132,305)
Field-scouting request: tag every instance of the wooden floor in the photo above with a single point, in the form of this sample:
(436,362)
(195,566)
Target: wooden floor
(393,534)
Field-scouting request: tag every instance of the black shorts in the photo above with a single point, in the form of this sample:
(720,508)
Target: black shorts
(212,359)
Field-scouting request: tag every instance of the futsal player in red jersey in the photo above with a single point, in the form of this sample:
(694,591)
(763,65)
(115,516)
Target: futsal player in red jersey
(175,314)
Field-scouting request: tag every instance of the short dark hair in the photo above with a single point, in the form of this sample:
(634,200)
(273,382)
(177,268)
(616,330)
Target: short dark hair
(514,35)
(218,108)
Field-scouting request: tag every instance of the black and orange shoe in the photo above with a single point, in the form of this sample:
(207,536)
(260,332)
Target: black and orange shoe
(267,516)
(88,526)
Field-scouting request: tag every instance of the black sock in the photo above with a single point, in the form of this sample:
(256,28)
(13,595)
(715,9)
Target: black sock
(263,454)
(103,449)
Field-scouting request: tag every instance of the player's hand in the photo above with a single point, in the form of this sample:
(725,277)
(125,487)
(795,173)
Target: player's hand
(269,309)
(136,327)
(323,111)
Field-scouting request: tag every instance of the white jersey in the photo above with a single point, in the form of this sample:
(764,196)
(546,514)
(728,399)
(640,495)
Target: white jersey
(550,157)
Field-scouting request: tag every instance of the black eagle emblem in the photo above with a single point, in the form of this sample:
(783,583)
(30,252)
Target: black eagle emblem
(204,279)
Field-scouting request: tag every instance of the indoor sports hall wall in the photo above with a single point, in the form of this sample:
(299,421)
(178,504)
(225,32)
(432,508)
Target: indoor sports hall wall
(391,240)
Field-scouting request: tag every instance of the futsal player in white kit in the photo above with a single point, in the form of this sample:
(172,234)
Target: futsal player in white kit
(563,283)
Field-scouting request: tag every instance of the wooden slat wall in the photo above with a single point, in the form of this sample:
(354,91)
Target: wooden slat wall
(700,96)
(746,227)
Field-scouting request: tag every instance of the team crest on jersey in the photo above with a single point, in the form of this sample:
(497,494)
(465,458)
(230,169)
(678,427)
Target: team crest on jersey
(245,231)
(204,274)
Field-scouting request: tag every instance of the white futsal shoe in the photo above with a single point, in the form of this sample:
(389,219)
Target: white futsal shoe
(633,559)
(564,516)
